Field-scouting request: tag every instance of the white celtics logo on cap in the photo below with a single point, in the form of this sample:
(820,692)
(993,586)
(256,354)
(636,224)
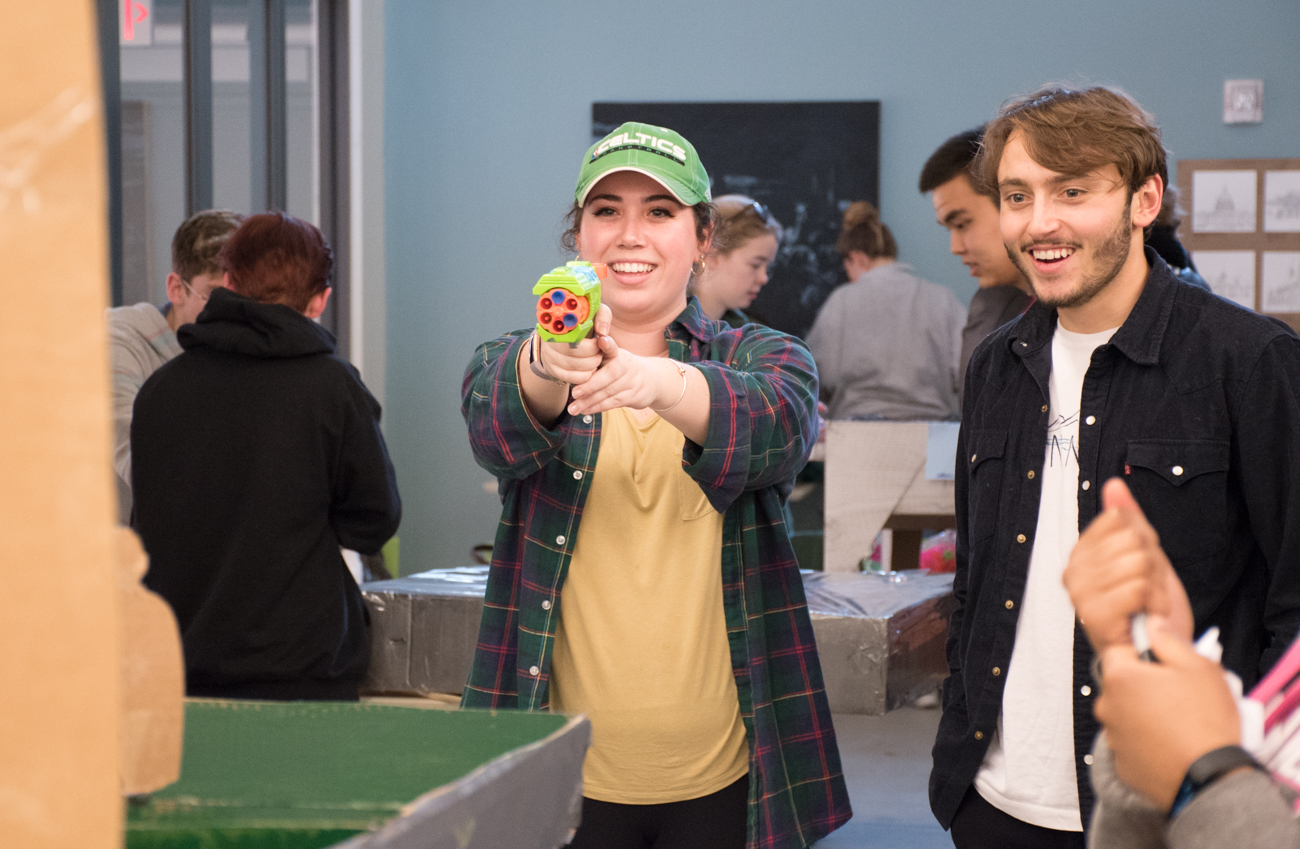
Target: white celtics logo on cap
(642,141)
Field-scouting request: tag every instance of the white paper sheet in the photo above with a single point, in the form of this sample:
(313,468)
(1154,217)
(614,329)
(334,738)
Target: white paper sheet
(1223,202)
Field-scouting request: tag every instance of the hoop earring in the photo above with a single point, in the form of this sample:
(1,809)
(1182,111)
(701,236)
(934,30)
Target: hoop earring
(703,266)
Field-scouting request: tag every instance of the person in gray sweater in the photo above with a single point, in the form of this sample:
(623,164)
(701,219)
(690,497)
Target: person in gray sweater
(887,343)
(141,337)
(1168,769)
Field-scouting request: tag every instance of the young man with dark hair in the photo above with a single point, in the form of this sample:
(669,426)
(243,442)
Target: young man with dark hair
(143,337)
(1118,369)
(972,222)
(257,455)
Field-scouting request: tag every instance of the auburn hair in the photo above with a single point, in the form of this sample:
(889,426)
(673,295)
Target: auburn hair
(275,258)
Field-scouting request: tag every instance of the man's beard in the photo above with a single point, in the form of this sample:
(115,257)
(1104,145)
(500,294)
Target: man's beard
(1111,254)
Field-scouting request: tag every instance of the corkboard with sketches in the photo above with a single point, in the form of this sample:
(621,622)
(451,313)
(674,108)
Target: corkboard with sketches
(1242,227)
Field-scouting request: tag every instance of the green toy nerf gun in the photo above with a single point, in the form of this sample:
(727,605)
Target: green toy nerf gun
(570,297)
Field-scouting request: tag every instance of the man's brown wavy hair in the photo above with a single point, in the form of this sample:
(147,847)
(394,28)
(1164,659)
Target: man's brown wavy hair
(1075,133)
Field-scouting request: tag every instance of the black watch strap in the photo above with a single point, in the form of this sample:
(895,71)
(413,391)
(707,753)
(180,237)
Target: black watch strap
(1208,768)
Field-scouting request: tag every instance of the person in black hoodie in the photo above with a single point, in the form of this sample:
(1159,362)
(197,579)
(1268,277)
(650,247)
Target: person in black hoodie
(257,454)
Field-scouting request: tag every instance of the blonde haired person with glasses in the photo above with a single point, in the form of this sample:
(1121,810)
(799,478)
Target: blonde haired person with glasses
(735,269)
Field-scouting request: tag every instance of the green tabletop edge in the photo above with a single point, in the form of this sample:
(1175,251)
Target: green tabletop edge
(304,775)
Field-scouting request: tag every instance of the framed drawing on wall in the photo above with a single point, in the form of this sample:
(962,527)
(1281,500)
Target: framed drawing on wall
(1243,230)
(805,161)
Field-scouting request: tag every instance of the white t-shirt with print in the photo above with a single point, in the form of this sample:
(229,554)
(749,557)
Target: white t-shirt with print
(1029,770)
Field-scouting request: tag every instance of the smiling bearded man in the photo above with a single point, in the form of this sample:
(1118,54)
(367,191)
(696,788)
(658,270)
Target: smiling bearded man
(1118,369)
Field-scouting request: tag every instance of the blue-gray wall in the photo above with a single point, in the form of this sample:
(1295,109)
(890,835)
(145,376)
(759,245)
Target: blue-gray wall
(488,113)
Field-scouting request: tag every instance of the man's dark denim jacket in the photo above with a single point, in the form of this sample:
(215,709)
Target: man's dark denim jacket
(1195,402)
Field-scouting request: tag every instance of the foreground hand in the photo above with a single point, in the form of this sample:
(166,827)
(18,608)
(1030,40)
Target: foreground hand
(625,379)
(1160,717)
(1117,569)
(577,363)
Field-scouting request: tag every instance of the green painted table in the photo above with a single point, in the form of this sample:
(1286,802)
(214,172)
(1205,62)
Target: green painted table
(302,775)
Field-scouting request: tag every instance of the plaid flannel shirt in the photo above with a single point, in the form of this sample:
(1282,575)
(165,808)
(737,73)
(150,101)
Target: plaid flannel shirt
(762,425)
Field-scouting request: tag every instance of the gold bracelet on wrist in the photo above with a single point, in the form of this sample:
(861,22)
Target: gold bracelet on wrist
(681,369)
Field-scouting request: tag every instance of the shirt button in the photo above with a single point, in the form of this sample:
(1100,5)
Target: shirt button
(1177,470)
(577,476)
(1024,344)
(972,457)
(1031,474)
(533,670)
(997,670)
(1010,604)
(1020,537)
(1085,690)
(587,420)
(1090,420)
(546,605)
(1087,485)
(559,540)
(1044,408)
(979,735)
(1087,759)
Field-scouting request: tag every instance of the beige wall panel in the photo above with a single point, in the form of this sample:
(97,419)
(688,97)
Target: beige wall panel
(58,626)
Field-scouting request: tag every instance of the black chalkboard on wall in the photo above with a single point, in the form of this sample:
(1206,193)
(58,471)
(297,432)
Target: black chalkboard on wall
(804,161)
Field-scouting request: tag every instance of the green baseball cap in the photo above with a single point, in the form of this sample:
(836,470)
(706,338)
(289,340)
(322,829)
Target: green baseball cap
(658,152)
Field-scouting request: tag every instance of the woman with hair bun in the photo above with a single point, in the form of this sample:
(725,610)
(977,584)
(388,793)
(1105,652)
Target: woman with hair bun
(887,344)
(735,269)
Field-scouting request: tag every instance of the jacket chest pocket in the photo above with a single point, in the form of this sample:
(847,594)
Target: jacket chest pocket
(1181,485)
(987,457)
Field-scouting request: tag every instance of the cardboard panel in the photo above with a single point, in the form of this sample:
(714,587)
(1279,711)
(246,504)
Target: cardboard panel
(59,779)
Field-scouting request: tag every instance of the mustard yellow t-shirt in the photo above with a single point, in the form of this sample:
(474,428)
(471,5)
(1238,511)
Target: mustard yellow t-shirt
(641,647)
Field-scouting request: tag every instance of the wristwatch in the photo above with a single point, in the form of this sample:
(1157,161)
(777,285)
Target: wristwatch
(1209,768)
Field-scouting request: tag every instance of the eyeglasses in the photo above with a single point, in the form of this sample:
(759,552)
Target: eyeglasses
(202,296)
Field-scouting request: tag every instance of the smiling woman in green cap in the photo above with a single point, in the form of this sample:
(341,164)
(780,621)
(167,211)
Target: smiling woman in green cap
(642,572)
